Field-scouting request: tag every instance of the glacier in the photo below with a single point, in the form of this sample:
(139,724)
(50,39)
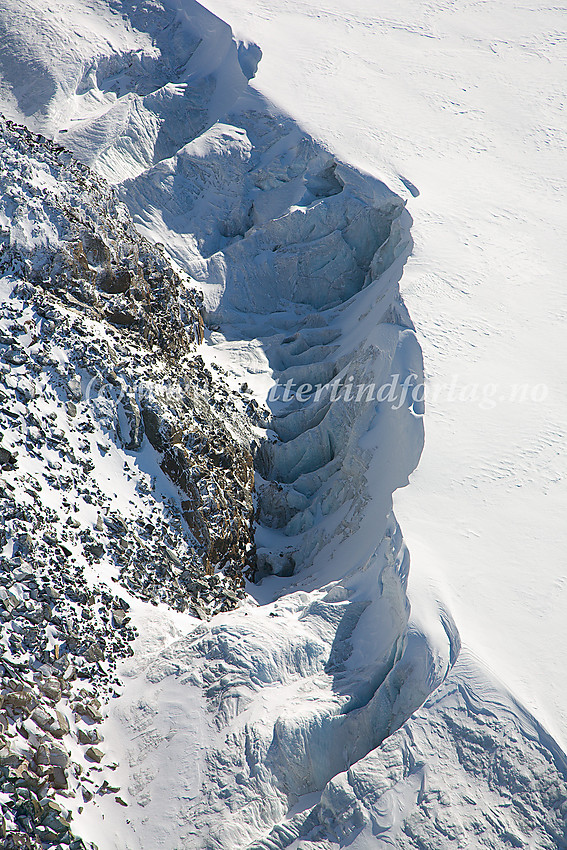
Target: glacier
(331,708)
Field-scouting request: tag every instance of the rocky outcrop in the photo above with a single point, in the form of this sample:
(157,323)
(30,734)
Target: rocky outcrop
(85,250)
(141,379)
(102,398)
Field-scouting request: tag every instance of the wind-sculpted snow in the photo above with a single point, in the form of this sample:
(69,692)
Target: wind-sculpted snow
(135,82)
(266,725)
(302,688)
(470,769)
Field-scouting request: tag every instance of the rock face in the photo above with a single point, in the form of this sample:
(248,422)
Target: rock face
(123,463)
(139,374)
(85,250)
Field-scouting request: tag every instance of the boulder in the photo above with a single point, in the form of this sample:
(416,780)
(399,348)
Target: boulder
(94,754)
(54,722)
(53,755)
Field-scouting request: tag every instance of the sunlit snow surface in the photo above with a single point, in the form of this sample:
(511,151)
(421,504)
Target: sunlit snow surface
(467,101)
(264,726)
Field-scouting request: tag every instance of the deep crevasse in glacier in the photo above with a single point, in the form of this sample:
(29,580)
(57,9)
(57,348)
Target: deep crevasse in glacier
(242,723)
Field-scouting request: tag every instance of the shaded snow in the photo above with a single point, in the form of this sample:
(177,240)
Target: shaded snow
(265,726)
(466,101)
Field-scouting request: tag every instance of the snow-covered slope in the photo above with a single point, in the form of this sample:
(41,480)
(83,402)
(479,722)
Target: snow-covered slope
(123,492)
(264,727)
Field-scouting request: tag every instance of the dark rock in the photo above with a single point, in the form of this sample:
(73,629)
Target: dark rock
(57,724)
(7,458)
(15,356)
(74,389)
(58,778)
(94,754)
(51,687)
(130,425)
(121,316)
(95,249)
(119,617)
(116,282)
(88,736)
(53,755)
